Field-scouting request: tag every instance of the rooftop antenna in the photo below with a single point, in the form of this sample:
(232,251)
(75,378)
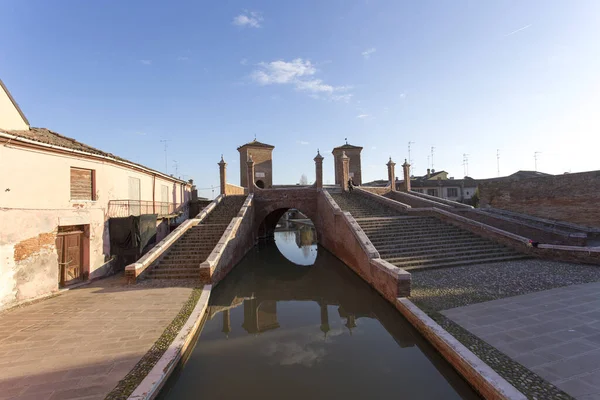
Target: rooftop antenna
(176,164)
(466,164)
(535,158)
(165,143)
(432,148)
(255,137)
(428,157)
(409,159)
(346,139)
(498,160)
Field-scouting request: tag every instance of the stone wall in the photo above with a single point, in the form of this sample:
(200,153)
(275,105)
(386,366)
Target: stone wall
(571,197)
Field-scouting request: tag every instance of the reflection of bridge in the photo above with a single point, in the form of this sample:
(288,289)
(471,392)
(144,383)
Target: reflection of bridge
(274,279)
(265,278)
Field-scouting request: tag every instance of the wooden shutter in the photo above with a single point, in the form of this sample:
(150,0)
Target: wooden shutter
(82,184)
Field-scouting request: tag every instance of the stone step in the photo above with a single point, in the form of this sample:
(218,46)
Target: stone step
(444,264)
(434,260)
(419,236)
(433,247)
(392,251)
(465,253)
(189,264)
(411,230)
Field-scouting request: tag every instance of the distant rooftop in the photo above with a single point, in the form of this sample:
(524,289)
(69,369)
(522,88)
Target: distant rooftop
(256,143)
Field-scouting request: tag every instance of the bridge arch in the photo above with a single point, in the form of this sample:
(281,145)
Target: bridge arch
(271,204)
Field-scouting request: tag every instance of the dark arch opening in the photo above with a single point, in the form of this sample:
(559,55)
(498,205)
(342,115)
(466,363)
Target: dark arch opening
(293,233)
(260,184)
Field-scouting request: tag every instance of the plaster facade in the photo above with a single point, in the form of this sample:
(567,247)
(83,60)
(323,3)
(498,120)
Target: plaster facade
(35,200)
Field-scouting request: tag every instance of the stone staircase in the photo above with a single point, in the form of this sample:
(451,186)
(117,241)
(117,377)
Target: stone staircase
(183,259)
(419,242)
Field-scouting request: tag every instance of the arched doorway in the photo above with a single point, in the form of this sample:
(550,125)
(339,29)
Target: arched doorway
(260,184)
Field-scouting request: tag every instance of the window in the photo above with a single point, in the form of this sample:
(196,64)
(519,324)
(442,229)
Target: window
(432,192)
(418,190)
(83,184)
(452,192)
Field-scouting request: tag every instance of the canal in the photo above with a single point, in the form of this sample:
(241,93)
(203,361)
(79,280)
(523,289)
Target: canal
(291,321)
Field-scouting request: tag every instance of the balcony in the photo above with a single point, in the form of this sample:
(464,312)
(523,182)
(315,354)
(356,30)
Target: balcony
(125,208)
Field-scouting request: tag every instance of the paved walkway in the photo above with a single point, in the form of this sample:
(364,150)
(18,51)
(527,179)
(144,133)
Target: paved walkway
(80,344)
(555,333)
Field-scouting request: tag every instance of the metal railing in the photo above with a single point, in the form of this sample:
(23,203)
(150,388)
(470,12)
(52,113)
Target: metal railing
(125,208)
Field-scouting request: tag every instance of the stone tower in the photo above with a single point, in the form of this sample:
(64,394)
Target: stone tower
(262,154)
(353,152)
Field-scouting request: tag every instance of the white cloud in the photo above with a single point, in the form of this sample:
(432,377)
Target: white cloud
(250,19)
(298,73)
(244,61)
(146,62)
(362,116)
(367,53)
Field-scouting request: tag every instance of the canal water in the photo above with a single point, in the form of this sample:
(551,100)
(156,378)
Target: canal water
(291,321)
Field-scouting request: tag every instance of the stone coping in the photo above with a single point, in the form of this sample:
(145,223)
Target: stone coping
(213,259)
(395,204)
(133,271)
(517,238)
(150,386)
(564,224)
(529,224)
(440,200)
(479,375)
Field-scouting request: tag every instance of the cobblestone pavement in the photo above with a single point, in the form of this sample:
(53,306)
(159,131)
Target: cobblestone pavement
(80,344)
(437,290)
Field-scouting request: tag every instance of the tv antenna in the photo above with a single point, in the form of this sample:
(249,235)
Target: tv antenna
(535,158)
(466,164)
(432,148)
(409,159)
(176,165)
(164,141)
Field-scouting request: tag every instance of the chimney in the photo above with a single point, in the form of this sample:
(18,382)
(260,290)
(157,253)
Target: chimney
(428,173)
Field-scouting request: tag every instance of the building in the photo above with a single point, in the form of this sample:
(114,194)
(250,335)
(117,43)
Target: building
(439,185)
(353,152)
(57,196)
(262,154)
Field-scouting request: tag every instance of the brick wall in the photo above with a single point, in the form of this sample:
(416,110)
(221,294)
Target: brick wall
(354,164)
(572,197)
(263,162)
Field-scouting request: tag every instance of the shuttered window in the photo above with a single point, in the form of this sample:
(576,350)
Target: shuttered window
(82,184)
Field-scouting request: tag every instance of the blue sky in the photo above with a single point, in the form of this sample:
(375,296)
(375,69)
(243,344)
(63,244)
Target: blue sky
(466,77)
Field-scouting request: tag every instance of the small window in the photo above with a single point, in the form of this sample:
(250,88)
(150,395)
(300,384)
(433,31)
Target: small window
(432,192)
(83,184)
(418,190)
(452,192)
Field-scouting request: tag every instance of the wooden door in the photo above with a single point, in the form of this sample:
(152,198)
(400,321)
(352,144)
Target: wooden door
(70,251)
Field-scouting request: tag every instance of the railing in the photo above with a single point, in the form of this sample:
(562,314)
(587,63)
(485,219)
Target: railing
(125,208)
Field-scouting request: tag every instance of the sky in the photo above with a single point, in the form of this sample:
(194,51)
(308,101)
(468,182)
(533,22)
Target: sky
(472,79)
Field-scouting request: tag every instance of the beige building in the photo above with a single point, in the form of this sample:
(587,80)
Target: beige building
(353,152)
(56,198)
(262,154)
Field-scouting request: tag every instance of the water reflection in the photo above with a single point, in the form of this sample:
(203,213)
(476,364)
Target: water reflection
(297,333)
(297,241)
